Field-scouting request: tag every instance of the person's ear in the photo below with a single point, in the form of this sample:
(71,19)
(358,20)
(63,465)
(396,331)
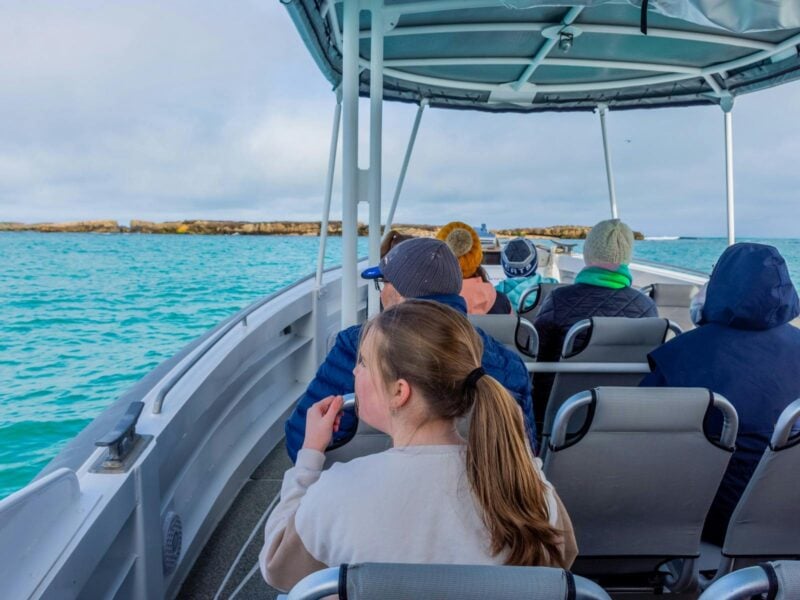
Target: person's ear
(401,392)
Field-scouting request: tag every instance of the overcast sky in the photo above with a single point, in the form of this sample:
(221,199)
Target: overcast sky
(197,109)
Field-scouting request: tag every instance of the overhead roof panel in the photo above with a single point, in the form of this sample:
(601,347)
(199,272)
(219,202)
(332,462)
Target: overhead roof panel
(473,53)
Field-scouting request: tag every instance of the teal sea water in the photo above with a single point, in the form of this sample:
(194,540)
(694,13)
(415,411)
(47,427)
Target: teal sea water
(83,317)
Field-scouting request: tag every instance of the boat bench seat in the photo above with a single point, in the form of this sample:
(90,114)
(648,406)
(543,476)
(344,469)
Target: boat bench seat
(367,581)
(673,301)
(765,525)
(515,333)
(610,340)
(638,479)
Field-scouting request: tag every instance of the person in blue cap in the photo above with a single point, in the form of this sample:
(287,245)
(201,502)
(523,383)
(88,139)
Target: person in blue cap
(422,268)
(520,261)
(745,349)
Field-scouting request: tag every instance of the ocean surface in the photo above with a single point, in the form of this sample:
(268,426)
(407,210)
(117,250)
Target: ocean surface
(84,316)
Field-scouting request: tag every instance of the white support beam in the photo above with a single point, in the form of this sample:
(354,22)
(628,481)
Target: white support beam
(612,190)
(533,26)
(326,209)
(727,109)
(401,179)
(545,48)
(558,62)
(375,146)
(350,76)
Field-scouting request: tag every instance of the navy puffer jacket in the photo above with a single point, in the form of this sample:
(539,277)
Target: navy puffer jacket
(744,349)
(335,376)
(564,307)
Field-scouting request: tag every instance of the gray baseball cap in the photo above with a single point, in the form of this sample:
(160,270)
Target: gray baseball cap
(419,267)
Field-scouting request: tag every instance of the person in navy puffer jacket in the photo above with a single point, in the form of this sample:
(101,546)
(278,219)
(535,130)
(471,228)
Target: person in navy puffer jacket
(601,289)
(421,268)
(745,349)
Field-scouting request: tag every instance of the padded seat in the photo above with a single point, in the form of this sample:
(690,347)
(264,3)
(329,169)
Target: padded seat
(610,340)
(778,580)
(515,333)
(541,292)
(765,525)
(673,300)
(638,479)
(387,581)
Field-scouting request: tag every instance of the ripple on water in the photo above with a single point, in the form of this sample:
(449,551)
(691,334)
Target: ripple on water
(86,316)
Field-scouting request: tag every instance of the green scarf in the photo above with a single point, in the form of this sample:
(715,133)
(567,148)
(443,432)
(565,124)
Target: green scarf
(615,280)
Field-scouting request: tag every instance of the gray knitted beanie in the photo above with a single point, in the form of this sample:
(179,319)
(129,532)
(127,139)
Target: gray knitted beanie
(609,243)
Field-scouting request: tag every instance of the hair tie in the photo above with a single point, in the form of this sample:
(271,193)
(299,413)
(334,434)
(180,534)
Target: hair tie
(472,379)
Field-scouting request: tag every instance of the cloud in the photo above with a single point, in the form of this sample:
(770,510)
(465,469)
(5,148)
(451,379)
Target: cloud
(192,110)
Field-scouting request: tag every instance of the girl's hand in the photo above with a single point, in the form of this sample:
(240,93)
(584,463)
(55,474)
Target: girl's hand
(322,420)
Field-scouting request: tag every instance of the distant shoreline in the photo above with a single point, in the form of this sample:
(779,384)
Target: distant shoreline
(299,228)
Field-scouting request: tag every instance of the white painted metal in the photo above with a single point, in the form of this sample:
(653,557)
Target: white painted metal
(326,209)
(612,190)
(556,62)
(404,168)
(350,72)
(98,536)
(727,112)
(544,49)
(765,51)
(692,36)
(375,147)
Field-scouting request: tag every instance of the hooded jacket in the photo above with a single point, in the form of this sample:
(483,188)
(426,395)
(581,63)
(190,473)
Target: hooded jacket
(744,349)
(335,376)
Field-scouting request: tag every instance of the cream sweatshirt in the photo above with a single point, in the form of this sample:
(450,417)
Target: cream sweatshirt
(407,505)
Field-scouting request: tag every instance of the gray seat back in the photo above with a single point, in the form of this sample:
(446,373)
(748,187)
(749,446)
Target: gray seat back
(466,582)
(780,580)
(766,521)
(611,340)
(539,292)
(515,333)
(639,478)
(389,581)
(673,300)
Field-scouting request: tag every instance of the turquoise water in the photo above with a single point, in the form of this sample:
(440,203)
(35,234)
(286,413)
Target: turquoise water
(85,316)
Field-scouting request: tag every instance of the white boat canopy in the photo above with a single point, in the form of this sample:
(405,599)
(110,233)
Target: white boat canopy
(530,56)
(539,55)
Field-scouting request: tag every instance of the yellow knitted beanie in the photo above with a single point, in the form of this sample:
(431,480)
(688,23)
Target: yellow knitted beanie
(463,240)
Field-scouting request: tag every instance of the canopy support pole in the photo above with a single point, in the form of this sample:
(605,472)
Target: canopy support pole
(350,83)
(612,191)
(727,110)
(326,209)
(375,146)
(401,179)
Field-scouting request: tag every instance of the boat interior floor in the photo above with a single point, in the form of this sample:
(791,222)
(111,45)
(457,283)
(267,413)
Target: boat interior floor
(228,565)
(227,568)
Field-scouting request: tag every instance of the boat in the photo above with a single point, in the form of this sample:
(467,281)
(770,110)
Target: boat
(165,494)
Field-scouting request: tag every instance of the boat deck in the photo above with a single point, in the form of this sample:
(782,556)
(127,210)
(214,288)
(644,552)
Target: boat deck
(228,566)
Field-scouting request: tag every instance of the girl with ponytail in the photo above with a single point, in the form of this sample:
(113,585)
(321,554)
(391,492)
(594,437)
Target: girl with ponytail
(434,497)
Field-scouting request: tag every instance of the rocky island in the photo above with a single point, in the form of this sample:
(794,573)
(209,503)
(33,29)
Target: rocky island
(310,228)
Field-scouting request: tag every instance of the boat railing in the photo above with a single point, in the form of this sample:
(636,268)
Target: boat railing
(240,317)
(671,267)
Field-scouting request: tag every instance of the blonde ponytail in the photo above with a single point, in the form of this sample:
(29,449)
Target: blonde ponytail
(439,352)
(505,482)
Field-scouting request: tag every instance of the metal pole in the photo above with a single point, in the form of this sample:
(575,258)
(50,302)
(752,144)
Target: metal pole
(727,109)
(326,209)
(375,146)
(612,191)
(409,149)
(350,76)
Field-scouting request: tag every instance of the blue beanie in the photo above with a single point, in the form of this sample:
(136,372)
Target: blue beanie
(519,258)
